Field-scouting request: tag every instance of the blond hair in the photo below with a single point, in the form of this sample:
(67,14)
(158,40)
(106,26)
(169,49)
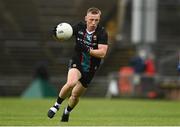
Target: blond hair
(94,10)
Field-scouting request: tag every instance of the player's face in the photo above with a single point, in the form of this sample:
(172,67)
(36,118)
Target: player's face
(92,21)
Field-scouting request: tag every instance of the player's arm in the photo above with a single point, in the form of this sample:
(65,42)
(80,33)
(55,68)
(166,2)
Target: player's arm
(102,46)
(100,52)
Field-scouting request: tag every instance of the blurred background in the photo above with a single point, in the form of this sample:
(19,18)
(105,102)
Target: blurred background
(143,53)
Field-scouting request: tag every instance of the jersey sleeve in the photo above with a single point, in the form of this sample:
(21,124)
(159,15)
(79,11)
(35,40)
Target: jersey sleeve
(103,37)
(76,27)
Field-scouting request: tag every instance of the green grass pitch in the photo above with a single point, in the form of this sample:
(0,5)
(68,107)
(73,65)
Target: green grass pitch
(91,111)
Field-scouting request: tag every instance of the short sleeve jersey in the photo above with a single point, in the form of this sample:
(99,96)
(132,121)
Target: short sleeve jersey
(87,62)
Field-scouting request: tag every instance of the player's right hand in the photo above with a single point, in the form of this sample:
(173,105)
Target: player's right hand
(54,32)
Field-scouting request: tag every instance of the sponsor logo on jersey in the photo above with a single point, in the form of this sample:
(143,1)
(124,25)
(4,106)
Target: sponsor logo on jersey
(89,37)
(80,32)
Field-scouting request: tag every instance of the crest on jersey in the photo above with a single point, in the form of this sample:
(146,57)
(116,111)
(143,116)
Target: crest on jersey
(95,38)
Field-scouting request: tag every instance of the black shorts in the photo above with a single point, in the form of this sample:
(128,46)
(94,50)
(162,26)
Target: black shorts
(86,77)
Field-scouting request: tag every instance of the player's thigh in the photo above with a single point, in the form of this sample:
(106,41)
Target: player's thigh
(73,75)
(78,90)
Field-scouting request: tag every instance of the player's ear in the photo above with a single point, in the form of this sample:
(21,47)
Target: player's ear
(85,18)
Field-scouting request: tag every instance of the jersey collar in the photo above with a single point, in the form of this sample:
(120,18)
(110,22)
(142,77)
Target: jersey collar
(90,32)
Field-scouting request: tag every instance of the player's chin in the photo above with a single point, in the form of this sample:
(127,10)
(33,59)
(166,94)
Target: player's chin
(93,28)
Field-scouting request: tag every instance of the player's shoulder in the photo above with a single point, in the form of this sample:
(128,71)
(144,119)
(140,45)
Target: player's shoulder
(101,29)
(80,25)
(102,34)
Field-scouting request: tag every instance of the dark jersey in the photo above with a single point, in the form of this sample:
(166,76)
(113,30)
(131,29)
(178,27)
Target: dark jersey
(87,62)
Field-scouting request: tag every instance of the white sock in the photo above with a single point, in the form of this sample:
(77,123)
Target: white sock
(53,109)
(57,104)
(66,111)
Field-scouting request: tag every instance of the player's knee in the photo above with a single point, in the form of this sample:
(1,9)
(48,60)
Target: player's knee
(75,97)
(71,84)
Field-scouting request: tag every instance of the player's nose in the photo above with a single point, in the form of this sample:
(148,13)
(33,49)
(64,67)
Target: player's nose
(93,22)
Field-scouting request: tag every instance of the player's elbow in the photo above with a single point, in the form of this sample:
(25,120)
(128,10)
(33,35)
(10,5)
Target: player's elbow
(103,54)
(98,53)
(103,50)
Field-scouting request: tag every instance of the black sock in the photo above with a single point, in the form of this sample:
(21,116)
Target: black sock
(69,109)
(59,100)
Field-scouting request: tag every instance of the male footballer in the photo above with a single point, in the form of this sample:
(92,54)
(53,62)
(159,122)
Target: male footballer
(91,46)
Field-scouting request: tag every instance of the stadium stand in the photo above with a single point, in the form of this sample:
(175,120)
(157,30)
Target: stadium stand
(25,41)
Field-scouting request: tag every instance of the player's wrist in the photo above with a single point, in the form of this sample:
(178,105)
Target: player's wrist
(90,50)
